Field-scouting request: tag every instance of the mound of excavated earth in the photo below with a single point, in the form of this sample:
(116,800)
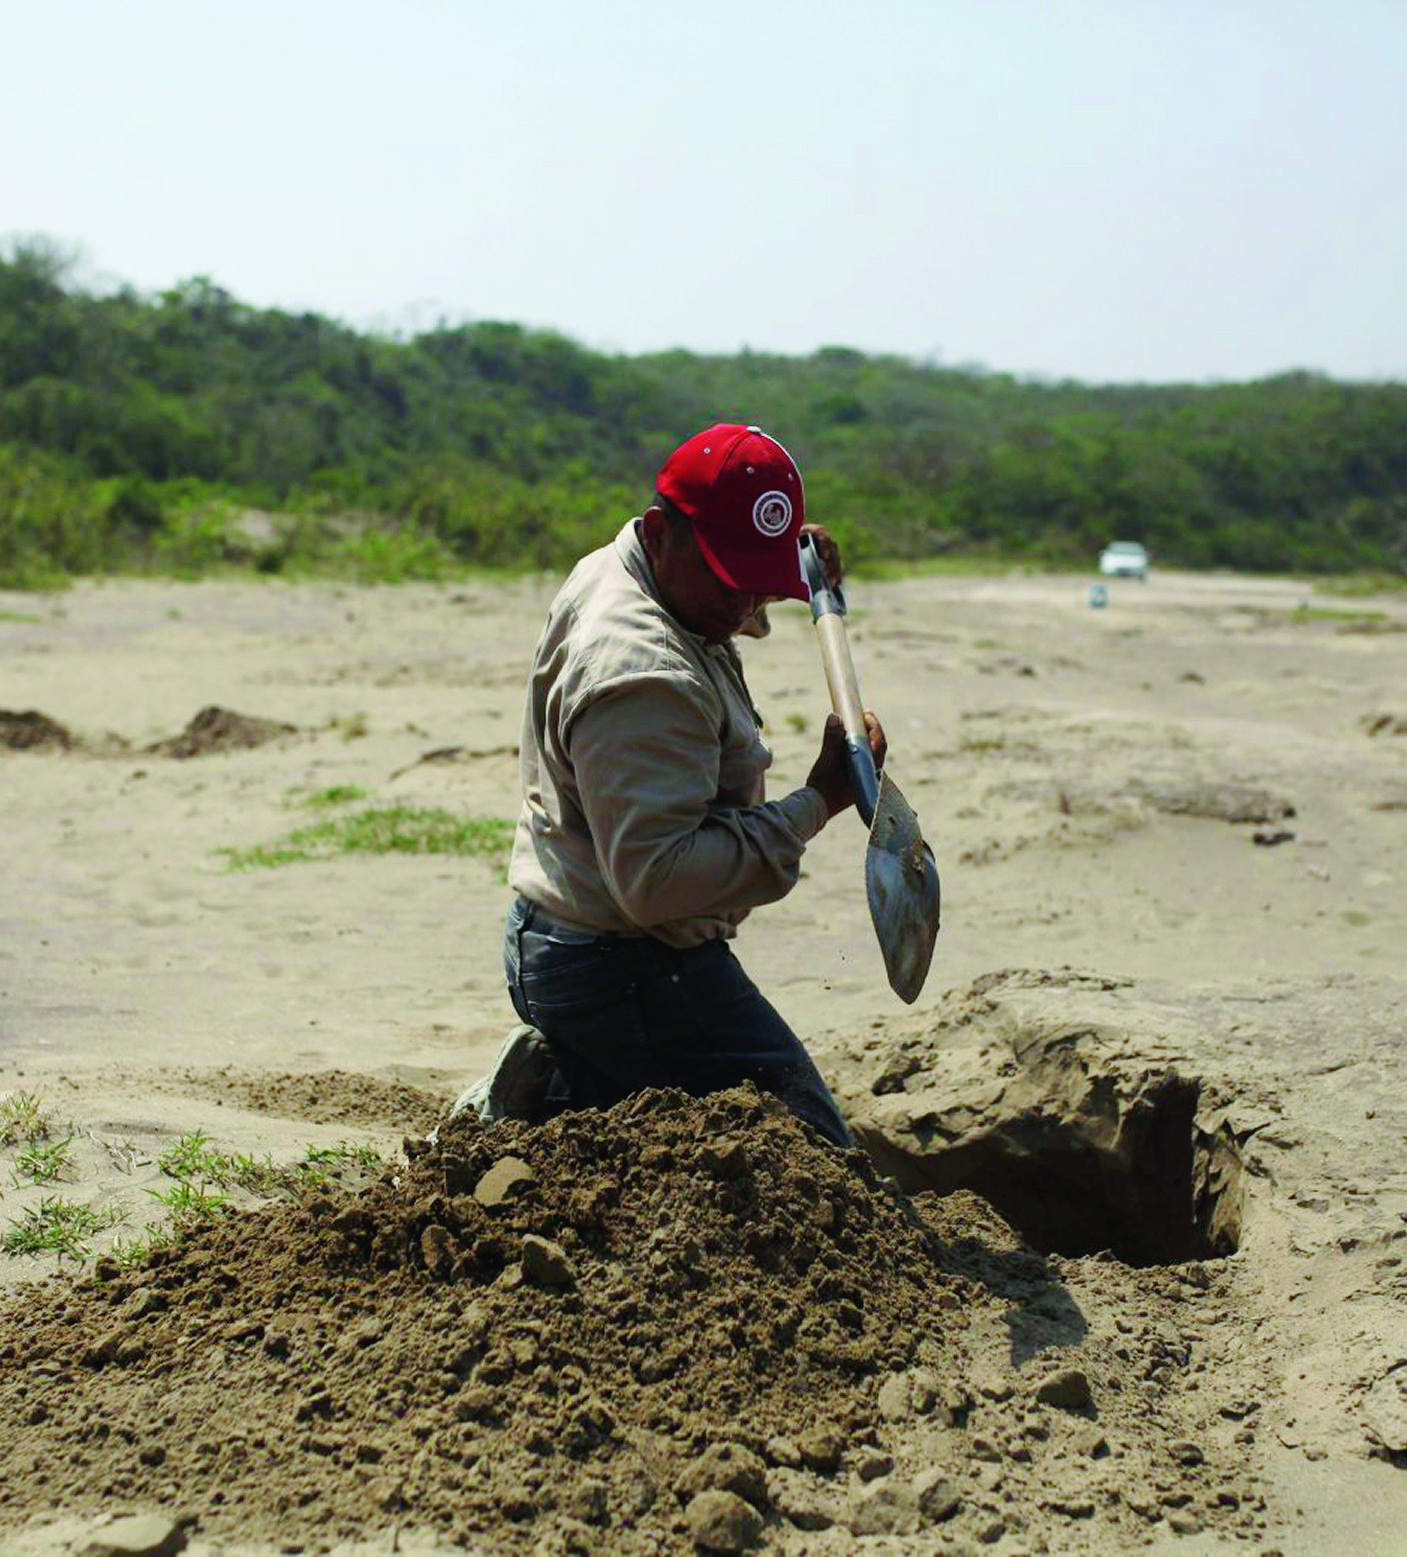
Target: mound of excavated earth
(32,731)
(680,1324)
(220,730)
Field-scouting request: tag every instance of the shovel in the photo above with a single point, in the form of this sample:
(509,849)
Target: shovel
(901,879)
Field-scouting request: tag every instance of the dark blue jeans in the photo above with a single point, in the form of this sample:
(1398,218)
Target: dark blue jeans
(623,1013)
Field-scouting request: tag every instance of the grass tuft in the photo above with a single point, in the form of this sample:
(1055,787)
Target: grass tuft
(336,795)
(192,1159)
(190,1204)
(22,1118)
(383,829)
(129,1253)
(203,1176)
(59,1226)
(43,1164)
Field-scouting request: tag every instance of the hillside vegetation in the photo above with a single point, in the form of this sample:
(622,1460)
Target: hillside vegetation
(188,431)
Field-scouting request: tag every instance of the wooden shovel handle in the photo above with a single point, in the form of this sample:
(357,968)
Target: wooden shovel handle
(828,613)
(840,676)
(845,699)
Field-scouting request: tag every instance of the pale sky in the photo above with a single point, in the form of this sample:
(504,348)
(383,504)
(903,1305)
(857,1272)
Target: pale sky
(1096,189)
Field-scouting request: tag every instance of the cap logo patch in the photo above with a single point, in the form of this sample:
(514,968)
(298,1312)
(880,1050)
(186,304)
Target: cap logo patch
(771,513)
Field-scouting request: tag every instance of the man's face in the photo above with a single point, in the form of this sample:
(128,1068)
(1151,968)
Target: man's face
(694,593)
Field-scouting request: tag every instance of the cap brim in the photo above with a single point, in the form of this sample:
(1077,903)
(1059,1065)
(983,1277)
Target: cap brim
(758,572)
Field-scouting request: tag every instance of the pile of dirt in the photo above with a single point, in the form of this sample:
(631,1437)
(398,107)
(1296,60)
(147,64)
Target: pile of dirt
(680,1321)
(337,1097)
(213,729)
(32,731)
(216,729)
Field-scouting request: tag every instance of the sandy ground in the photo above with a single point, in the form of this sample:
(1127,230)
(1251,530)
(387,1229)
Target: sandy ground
(1048,747)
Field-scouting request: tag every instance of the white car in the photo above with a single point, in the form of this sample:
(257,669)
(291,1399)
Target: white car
(1124,559)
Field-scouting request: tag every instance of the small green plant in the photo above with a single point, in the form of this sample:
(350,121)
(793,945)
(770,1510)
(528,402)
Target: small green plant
(257,1175)
(59,1226)
(388,829)
(320,1162)
(191,1158)
(203,1177)
(982,745)
(336,795)
(19,616)
(190,1204)
(798,724)
(22,1118)
(43,1164)
(128,1253)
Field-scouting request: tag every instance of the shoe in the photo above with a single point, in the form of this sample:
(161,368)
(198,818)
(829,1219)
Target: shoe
(517,1086)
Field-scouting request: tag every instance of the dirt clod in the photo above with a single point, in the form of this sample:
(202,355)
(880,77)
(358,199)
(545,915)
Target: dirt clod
(1066,1388)
(888,1507)
(722,1522)
(546,1262)
(726,1467)
(509,1178)
(938,1499)
(140,1535)
(32,731)
(821,1449)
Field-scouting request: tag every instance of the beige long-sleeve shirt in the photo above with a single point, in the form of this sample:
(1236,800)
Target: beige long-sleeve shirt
(642,769)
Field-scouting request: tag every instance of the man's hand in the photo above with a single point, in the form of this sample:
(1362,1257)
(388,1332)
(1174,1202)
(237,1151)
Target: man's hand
(756,626)
(827,551)
(830,773)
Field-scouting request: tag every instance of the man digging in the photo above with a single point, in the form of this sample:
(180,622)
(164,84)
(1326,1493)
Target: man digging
(644,839)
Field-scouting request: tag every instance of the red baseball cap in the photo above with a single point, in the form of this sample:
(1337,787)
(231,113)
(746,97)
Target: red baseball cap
(743,492)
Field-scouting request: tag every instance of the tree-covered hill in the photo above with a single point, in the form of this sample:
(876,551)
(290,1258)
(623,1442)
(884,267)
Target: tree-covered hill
(132,429)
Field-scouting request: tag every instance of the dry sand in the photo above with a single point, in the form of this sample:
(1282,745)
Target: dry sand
(1080,774)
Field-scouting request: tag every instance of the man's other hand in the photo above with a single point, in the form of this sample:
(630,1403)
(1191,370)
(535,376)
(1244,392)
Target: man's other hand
(830,773)
(827,551)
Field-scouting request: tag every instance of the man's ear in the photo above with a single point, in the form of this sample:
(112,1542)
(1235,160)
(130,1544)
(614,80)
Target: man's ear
(653,529)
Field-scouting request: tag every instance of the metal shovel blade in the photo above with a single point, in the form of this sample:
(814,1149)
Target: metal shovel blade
(901,882)
(901,879)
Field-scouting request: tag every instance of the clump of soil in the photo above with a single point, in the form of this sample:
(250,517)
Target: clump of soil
(615,1332)
(32,731)
(216,729)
